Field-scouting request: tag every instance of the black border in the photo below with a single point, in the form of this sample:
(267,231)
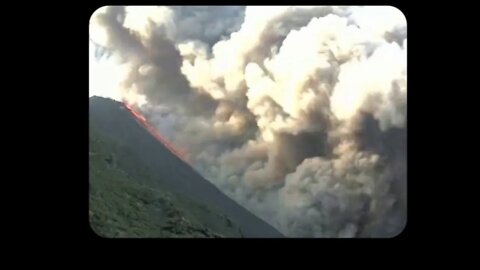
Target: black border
(76,165)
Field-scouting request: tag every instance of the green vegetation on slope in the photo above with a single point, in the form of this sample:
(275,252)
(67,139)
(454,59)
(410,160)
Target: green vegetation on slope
(126,202)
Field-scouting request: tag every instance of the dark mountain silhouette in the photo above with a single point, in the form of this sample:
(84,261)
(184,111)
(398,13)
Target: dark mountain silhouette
(111,121)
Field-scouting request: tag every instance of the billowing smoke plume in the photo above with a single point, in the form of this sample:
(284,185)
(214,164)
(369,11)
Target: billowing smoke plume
(298,113)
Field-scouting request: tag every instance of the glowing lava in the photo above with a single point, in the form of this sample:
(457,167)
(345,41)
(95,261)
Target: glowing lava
(143,121)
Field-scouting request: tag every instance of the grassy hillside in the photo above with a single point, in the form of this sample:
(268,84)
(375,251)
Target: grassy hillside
(125,201)
(122,147)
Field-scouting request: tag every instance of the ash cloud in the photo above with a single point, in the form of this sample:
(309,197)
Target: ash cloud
(154,64)
(297,113)
(207,24)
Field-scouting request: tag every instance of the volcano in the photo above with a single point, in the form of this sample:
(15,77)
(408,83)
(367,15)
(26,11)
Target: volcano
(155,133)
(168,171)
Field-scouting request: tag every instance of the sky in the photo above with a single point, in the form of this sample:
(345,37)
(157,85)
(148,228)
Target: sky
(297,113)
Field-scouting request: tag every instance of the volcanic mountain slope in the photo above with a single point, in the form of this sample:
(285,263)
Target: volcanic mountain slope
(138,188)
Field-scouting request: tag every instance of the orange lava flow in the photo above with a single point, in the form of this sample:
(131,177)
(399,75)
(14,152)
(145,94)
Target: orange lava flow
(154,132)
